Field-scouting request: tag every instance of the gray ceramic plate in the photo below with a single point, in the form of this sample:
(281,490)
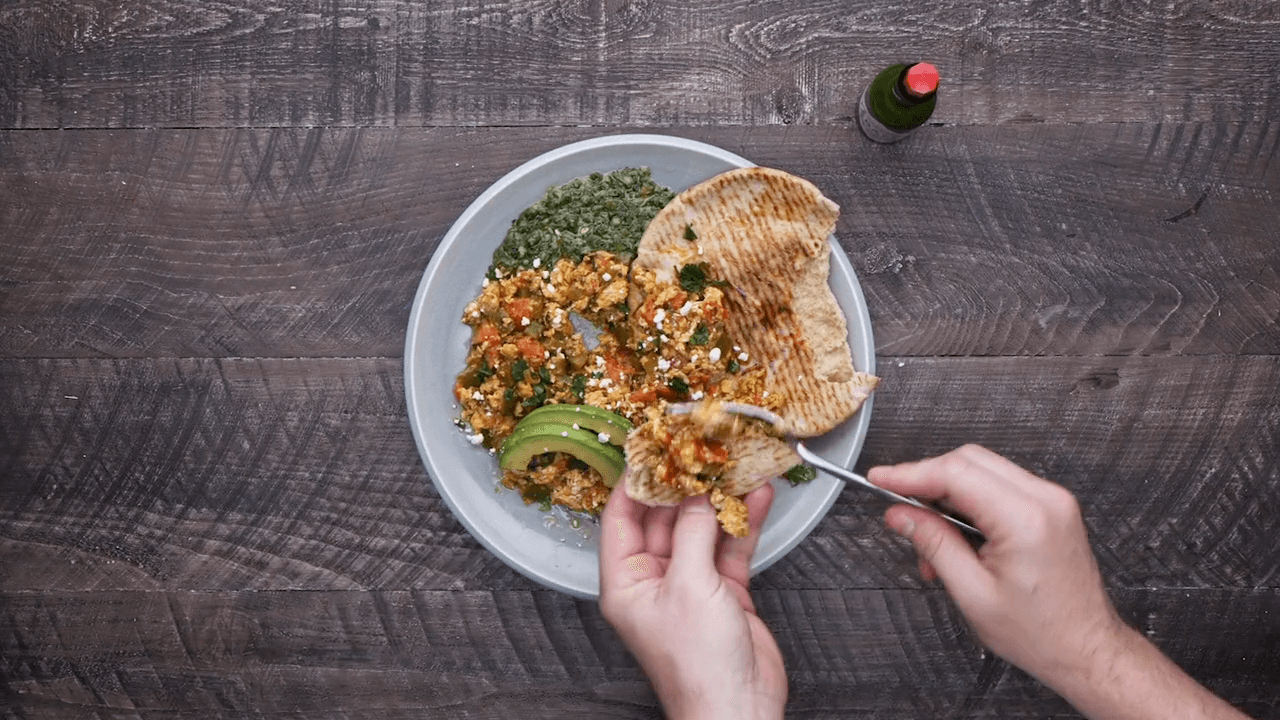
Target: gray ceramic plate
(547,547)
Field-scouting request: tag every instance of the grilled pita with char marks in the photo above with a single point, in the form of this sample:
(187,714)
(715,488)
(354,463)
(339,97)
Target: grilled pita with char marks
(765,232)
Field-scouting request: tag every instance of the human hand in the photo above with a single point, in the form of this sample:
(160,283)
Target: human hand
(675,589)
(1032,593)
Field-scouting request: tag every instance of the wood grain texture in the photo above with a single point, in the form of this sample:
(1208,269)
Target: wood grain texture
(175,63)
(1019,240)
(302,474)
(482,654)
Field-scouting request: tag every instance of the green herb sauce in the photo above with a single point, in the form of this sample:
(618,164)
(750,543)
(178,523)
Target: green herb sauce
(597,212)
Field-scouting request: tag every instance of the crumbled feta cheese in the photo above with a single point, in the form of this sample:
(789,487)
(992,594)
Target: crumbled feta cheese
(599,361)
(551,289)
(764,393)
(524,321)
(497,272)
(603,437)
(742,357)
(697,395)
(545,275)
(606,277)
(664,364)
(575,426)
(663,337)
(684,309)
(605,382)
(737,349)
(714,355)
(485,283)
(564,433)
(475,439)
(477,395)
(658,317)
(537,263)
(699,249)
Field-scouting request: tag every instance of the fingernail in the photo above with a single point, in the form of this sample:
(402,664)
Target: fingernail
(905,527)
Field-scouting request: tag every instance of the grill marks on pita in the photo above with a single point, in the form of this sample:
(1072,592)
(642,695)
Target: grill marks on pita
(764,232)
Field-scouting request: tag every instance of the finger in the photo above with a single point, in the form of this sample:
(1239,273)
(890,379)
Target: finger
(926,570)
(734,557)
(694,539)
(945,550)
(659,522)
(621,534)
(962,481)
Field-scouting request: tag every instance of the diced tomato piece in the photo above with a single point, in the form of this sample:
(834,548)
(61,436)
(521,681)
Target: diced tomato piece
(711,452)
(644,397)
(530,348)
(615,367)
(486,334)
(519,309)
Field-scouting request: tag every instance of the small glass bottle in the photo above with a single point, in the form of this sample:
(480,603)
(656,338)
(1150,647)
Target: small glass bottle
(899,100)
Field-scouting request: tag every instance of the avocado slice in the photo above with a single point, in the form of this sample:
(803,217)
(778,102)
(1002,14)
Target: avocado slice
(543,437)
(584,416)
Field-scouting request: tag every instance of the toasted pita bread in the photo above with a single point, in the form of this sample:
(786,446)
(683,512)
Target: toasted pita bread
(664,465)
(765,232)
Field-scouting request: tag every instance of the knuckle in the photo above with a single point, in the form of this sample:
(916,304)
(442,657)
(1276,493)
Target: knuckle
(1062,503)
(929,543)
(956,465)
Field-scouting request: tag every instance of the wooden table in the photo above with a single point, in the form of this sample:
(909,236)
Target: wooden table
(215,217)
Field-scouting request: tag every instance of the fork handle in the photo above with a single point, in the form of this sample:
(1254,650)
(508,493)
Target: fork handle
(831,468)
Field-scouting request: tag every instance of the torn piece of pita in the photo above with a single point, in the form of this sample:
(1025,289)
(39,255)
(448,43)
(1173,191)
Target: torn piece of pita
(764,233)
(704,452)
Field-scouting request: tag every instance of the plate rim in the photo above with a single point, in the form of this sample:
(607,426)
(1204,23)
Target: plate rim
(859,326)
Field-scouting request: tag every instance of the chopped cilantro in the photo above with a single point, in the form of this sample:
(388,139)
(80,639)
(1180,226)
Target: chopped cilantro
(689,234)
(538,399)
(693,278)
(679,385)
(484,372)
(701,335)
(518,369)
(800,474)
(598,212)
(545,375)
(534,492)
(733,365)
(579,386)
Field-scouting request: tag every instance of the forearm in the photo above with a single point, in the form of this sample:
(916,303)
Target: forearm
(1133,680)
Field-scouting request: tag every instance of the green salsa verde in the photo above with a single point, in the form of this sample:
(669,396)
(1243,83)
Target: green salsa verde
(597,212)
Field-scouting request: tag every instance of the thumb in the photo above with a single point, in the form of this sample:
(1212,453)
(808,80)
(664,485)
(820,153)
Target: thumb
(693,541)
(943,548)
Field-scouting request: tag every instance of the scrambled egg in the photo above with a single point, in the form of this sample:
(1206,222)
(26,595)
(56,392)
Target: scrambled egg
(525,353)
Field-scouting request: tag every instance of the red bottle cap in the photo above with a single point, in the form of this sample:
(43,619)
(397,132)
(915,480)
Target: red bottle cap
(922,79)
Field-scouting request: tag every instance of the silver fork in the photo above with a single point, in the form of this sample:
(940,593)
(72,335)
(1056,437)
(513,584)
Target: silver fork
(808,456)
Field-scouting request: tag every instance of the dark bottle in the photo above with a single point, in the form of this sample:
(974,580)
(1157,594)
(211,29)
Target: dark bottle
(900,99)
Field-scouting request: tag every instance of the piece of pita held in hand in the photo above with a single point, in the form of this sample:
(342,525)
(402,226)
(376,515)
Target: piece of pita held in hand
(762,234)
